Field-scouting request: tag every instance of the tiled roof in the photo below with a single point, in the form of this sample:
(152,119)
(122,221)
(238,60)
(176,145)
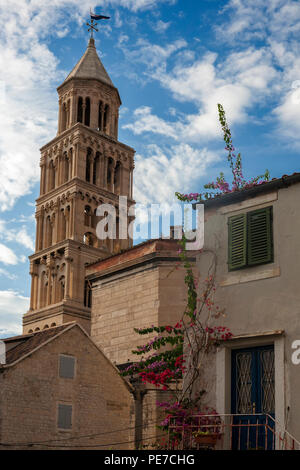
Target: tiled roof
(90,66)
(235,196)
(25,344)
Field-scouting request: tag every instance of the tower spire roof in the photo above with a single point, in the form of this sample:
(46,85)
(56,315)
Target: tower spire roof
(90,66)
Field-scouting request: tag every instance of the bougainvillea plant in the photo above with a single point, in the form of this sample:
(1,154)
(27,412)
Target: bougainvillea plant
(172,360)
(177,351)
(221,186)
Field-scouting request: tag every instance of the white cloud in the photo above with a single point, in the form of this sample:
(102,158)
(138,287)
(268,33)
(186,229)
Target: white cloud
(29,74)
(17,235)
(145,121)
(7,256)
(161,173)
(136,5)
(260,19)
(242,80)
(161,26)
(5,273)
(151,55)
(12,306)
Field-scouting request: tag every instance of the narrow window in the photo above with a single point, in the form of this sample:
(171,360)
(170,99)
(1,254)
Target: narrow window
(51,176)
(80,110)
(117,178)
(88,239)
(105,118)
(110,166)
(100,116)
(88,165)
(87,294)
(63,226)
(96,169)
(87,111)
(64,419)
(61,288)
(66,366)
(87,216)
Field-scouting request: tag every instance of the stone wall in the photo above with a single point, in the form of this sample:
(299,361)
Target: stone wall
(31,390)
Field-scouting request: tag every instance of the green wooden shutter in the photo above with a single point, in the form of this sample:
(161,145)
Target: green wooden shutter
(237,242)
(260,236)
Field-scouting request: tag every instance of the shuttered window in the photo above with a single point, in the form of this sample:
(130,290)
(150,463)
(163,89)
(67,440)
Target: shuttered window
(64,419)
(250,239)
(237,241)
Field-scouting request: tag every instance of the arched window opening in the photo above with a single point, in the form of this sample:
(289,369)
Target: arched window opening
(70,160)
(51,176)
(68,108)
(96,169)
(95,219)
(100,116)
(46,326)
(30,331)
(87,111)
(53,324)
(87,216)
(37,329)
(87,295)
(63,225)
(67,218)
(105,118)
(117,178)
(48,231)
(88,165)
(61,288)
(80,109)
(65,168)
(89,239)
(110,167)
(43,290)
(117,227)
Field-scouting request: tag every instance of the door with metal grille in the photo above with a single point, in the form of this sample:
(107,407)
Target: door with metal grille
(253,398)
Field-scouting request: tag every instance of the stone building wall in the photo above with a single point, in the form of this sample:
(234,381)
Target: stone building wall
(31,390)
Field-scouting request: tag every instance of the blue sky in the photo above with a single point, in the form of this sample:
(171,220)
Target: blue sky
(172,61)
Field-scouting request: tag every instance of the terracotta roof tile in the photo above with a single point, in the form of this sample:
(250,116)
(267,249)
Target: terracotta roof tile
(27,343)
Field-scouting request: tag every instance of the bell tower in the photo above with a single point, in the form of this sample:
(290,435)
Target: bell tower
(83,167)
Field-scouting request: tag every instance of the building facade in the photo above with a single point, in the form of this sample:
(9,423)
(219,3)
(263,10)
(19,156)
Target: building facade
(138,288)
(59,391)
(253,235)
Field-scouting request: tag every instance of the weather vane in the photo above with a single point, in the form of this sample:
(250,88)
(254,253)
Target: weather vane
(92,25)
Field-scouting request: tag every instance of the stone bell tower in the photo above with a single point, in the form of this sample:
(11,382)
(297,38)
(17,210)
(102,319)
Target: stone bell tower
(83,167)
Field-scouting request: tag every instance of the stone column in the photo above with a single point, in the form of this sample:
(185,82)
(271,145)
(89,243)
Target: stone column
(42,182)
(59,115)
(94,113)
(67,105)
(49,288)
(60,169)
(39,231)
(104,175)
(68,283)
(73,108)
(54,290)
(70,156)
(32,291)
(83,110)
